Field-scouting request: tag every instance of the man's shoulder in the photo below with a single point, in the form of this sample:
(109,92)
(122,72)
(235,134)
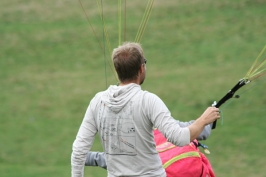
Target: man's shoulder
(149,96)
(97,96)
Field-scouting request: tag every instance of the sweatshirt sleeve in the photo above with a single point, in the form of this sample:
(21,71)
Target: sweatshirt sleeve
(161,118)
(83,143)
(206,132)
(96,159)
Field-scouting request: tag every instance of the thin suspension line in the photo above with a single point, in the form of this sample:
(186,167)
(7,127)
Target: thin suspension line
(238,95)
(148,16)
(105,33)
(100,8)
(90,24)
(144,20)
(106,37)
(255,85)
(253,71)
(125,20)
(104,53)
(119,22)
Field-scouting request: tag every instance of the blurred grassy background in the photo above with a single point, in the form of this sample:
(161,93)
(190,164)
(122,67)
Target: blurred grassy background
(51,65)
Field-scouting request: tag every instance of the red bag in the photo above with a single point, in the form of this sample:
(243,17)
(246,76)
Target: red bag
(186,161)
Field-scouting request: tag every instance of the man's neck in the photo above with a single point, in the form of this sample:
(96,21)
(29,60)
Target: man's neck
(129,82)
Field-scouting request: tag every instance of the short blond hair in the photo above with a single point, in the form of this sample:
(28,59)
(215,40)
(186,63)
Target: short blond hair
(127,60)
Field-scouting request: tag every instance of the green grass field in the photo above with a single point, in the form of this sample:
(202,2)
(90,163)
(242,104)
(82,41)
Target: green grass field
(51,65)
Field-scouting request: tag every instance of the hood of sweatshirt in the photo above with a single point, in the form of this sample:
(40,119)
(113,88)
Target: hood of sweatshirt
(116,97)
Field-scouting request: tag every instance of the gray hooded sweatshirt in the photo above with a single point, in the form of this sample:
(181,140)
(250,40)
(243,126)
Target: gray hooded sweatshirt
(124,117)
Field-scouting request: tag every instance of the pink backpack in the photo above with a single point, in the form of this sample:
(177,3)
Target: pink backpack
(186,161)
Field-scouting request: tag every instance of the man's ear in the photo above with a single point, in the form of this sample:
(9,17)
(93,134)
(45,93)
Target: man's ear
(141,70)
